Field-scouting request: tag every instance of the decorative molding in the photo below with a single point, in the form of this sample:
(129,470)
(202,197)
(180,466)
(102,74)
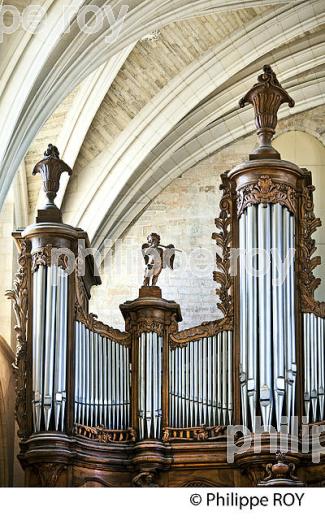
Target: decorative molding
(101,434)
(90,321)
(19,297)
(306,263)
(43,256)
(266,191)
(49,472)
(200,433)
(223,240)
(205,330)
(199,483)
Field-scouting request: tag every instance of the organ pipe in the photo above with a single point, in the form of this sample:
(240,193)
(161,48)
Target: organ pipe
(269,293)
(207,398)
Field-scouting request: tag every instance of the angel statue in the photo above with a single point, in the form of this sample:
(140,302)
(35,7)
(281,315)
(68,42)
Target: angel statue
(156,258)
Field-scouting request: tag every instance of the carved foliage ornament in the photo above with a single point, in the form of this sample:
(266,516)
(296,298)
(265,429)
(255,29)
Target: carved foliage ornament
(265,191)
(308,283)
(19,297)
(48,473)
(224,239)
(90,321)
(43,256)
(149,325)
(205,330)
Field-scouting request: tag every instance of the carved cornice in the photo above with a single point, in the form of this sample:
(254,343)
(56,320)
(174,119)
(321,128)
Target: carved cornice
(205,330)
(101,434)
(19,297)
(266,191)
(43,256)
(201,433)
(90,321)
(306,263)
(224,240)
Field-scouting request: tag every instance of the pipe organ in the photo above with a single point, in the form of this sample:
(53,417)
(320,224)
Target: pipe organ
(153,405)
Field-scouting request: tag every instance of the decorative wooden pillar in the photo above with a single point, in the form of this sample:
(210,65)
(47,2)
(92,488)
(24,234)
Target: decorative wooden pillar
(150,319)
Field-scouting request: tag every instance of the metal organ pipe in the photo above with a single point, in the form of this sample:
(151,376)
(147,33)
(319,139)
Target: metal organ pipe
(50,289)
(314,367)
(102,380)
(269,339)
(203,394)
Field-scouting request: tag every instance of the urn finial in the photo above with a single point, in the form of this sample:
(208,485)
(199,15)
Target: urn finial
(266,96)
(51,167)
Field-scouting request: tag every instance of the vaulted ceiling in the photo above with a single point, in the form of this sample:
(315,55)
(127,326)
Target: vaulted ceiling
(132,115)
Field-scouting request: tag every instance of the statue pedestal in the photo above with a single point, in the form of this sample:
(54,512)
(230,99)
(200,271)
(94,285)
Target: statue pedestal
(150,319)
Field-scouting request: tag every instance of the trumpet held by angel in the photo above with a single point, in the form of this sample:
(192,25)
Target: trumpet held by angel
(156,257)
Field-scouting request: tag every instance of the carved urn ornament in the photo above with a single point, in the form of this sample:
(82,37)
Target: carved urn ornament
(51,167)
(266,96)
(280,474)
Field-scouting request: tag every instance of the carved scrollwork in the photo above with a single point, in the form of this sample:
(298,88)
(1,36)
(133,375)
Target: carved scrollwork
(306,262)
(91,322)
(101,434)
(264,191)
(43,256)
(145,479)
(205,330)
(19,297)
(223,240)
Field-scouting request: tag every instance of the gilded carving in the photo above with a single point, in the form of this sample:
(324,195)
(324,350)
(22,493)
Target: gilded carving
(224,239)
(199,433)
(101,434)
(19,297)
(266,191)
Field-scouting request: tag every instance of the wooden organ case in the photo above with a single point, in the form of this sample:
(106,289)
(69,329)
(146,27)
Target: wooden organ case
(234,402)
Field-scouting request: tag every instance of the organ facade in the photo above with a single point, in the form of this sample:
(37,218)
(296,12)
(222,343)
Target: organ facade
(237,401)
